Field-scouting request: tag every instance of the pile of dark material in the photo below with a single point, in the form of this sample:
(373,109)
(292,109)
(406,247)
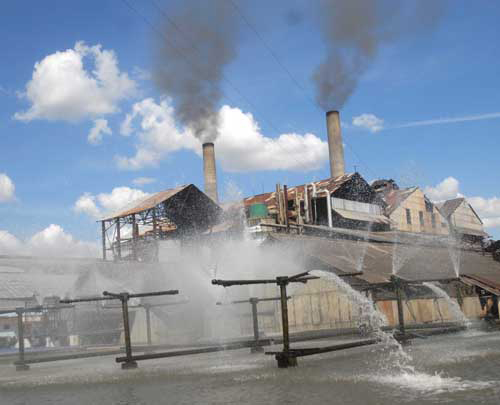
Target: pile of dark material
(494,249)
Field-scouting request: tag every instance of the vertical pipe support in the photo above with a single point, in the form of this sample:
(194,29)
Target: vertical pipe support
(20,364)
(118,239)
(134,238)
(256,348)
(129,363)
(284,358)
(285,203)
(103,233)
(399,297)
(147,307)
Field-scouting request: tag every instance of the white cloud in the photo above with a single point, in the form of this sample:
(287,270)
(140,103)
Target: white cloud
(141,181)
(7,188)
(52,241)
(445,190)
(240,145)
(488,209)
(369,122)
(158,134)
(100,205)
(86,204)
(9,244)
(97,132)
(62,88)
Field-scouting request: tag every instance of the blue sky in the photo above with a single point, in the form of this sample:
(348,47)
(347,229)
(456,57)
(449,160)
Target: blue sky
(450,72)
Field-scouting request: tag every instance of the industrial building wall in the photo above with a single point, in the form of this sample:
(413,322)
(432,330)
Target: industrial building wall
(319,305)
(416,204)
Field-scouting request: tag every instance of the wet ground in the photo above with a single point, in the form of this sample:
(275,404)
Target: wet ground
(458,369)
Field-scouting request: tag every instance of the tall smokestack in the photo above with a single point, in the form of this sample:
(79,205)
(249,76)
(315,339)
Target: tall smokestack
(335,146)
(209,171)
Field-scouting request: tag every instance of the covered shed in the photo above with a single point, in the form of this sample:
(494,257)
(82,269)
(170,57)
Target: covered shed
(181,212)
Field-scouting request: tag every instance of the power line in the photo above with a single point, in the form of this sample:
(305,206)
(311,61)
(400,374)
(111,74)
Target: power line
(190,62)
(287,71)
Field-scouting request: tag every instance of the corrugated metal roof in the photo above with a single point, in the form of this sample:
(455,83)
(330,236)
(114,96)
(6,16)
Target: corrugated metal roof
(449,206)
(362,216)
(15,288)
(394,198)
(147,203)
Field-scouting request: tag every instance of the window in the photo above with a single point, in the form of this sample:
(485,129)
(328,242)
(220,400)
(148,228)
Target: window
(408,216)
(421,217)
(433,219)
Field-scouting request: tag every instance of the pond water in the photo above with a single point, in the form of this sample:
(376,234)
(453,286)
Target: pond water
(457,369)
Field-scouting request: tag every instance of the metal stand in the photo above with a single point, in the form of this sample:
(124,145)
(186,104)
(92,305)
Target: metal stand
(258,343)
(20,363)
(128,362)
(288,357)
(398,289)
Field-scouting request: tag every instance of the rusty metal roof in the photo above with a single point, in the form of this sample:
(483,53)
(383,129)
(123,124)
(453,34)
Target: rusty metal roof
(394,198)
(147,203)
(331,184)
(449,206)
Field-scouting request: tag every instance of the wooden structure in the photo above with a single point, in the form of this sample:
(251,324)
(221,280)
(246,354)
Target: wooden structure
(411,211)
(178,213)
(463,220)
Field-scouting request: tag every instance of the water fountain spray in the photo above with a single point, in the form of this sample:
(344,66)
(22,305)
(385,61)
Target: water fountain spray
(288,357)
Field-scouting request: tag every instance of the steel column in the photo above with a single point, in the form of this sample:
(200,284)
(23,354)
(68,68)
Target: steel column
(148,323)
(20,364)
(103,232)
(129,363)
(118,239)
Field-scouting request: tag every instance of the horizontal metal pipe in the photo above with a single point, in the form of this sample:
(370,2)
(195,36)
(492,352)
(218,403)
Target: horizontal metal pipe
(113,296)
(213,349)
(429,280)
(250,300)
(34,309)
(229,283)
(146,294)
(90,299)
(63,357)
(317,350)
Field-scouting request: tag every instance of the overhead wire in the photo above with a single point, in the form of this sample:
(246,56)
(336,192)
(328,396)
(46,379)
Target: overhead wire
(297,83)
(193,65)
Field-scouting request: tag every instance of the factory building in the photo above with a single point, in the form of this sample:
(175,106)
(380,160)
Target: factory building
(463,221)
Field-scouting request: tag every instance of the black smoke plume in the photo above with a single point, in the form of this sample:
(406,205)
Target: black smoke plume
(354,31)
(199,41)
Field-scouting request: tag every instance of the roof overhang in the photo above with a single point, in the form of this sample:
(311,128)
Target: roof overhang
(362,216)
